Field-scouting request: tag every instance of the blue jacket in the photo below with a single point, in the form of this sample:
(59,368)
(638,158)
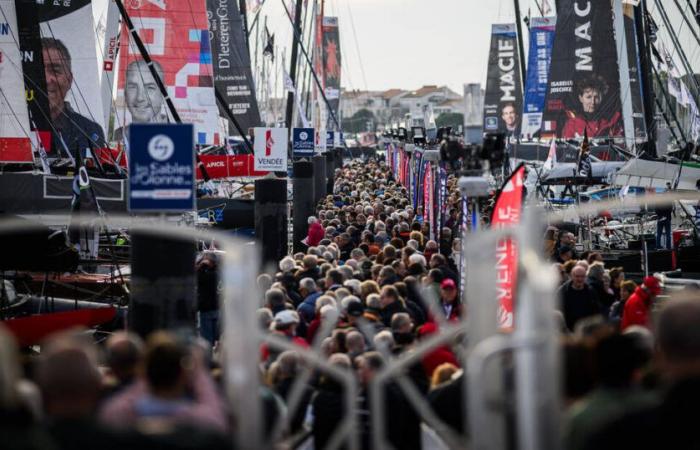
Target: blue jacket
(307,308)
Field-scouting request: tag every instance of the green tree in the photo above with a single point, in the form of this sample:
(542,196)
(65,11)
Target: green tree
(359,121)
(453,120)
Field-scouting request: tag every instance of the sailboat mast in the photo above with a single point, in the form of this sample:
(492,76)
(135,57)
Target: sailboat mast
(623,63)
(296,41)
(521,50)
(644,51)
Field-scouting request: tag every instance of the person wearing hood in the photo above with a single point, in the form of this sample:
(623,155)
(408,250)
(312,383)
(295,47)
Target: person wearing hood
(316,233)
(639,304)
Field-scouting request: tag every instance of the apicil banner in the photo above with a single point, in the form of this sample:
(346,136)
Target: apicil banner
(176,36)
(229,166)
(331,66)
(303,141)
(541,40)
(232,73)
(506,213)
(15,144)
(57,41)
(270,149)
(504,97)
(584,85)
(161,168)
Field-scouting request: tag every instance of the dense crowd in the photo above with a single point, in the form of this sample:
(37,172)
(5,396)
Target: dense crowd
(371,286)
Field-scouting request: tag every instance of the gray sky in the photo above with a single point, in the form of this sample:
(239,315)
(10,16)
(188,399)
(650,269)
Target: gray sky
(410,43)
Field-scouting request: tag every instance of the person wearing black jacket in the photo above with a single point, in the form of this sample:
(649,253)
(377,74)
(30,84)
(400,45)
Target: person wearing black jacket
(208,297)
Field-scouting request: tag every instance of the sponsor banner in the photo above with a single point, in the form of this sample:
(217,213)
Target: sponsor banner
(506,213)
(503,98)
(106,18)
(541,40)
(635,75)
(303,141)
(57,43)
(584,86)
(15,143)
(330,139)
(161,168)
(331,67)
(227,166)
(270,149)
(176,36)
(231,60)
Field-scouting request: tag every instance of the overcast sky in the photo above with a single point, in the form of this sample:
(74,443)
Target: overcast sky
(410,43)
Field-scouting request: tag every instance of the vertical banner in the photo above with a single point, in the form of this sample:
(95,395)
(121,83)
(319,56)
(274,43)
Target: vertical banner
(506,212)
(232,73)
(584,85)
(540,55)
(428,198)
(504,97)
(331,67)
(15,144)
(635,75)
(176,36)
(270,148)
(57,41)
(106,17)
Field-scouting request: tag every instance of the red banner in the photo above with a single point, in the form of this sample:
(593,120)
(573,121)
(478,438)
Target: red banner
(224,166)
(428,198)
(15,149)
(506,213)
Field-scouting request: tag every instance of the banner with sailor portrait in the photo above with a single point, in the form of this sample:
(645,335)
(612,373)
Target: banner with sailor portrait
(504,97)
(59,63)
(176,36)
(583,96)
(331,67)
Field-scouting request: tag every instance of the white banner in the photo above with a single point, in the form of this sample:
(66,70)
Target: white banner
(270,149)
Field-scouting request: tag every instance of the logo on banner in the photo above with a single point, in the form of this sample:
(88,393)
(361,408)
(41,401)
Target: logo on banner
(303,141)
(269,143)
(161,147)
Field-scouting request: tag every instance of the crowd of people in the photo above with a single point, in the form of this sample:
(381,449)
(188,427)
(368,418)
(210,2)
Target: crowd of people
(371,286)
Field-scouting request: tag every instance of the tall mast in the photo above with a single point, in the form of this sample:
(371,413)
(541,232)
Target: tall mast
(644,50)
(296,41)
(623,64)
(521,50)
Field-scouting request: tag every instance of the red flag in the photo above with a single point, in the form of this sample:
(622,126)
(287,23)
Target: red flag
(506,212)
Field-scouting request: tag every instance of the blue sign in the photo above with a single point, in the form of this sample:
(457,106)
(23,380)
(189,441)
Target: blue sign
(540,57)
(161,168)
(330,138)
(303,141)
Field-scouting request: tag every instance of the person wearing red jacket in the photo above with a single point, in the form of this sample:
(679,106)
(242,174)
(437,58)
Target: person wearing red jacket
(440,355)
(316,232)
(588,122)
(637,306)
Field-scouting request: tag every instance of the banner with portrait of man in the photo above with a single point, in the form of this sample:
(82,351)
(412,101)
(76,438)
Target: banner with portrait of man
(503,98)
(583,95)
(176,36)
(57,41)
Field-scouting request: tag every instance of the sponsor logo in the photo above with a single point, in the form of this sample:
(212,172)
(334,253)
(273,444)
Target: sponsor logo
(4,28)
(161,147)
(269,142)
(304,136)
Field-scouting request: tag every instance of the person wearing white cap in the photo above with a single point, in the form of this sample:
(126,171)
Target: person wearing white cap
(285,325)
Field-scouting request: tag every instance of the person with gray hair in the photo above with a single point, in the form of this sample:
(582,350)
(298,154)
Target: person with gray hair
(309,291)
(355,343)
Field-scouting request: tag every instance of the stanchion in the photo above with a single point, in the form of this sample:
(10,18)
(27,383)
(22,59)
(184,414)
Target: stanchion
(271,218)
(319,177)
(303,203)
(162,284)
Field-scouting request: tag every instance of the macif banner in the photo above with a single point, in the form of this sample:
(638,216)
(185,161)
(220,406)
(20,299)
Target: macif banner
(584,84)
(506,213)
(504,97)
(232,73)
(541,40)
(331,67)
